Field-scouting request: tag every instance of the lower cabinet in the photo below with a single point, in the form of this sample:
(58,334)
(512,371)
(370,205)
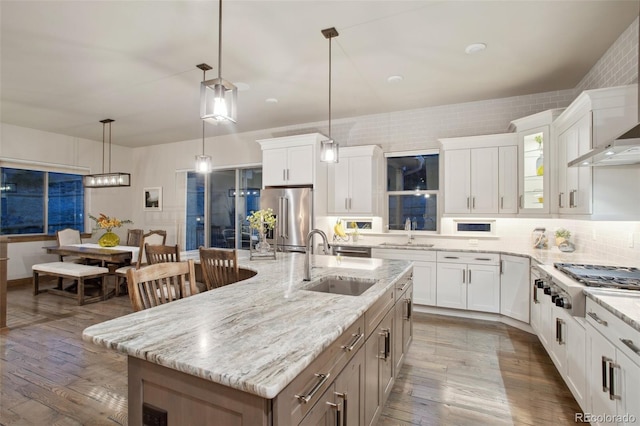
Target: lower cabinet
(403,323)
(613,368)
(468,281)
(378,368)
(514,287)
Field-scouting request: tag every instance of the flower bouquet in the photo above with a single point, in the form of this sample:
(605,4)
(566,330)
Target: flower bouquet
(110,238)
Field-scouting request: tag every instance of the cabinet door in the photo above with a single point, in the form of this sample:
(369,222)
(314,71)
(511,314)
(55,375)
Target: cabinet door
(536,294)
(483,288)
(274,166)
(360,183)
(534,170)
(508,179)
(558,344)
(574,183)
(350,390)
(339,187)
(562,201)
(300,165)
(424,283)
(628,387)
(601,352)
(547,327)
(403,329)
(583,202)
(514,287)
(451,291)
(457,181)
(484,180)
(576,358)
(378,368)
(325,412)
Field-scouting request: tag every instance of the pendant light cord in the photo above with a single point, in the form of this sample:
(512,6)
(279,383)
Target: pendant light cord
(330,87)
(220,40)
(109,147)
(103,139)
(204,78)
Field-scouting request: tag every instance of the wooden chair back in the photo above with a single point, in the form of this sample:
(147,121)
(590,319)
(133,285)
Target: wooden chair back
(219,267)
(134,237)
(159,253)
(161,283)
(151,238)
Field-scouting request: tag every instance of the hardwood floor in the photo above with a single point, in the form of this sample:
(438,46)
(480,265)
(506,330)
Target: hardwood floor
(457,372)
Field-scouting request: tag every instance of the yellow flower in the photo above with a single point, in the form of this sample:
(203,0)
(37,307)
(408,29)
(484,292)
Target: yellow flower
(105,222)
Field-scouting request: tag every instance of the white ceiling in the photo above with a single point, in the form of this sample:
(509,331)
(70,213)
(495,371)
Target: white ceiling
(65,65)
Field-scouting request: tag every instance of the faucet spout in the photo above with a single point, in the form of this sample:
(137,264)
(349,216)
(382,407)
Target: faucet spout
(307,256)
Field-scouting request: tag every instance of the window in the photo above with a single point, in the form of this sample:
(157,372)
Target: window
(212,203)
(40,202)
(412,190)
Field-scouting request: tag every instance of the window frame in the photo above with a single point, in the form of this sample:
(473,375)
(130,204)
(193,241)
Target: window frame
(46,169)
(436,192)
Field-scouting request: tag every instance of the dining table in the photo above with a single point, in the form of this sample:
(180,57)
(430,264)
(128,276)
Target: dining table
(115,255)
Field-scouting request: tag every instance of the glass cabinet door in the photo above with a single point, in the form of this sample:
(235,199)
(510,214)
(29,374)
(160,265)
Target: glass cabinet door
(534,181)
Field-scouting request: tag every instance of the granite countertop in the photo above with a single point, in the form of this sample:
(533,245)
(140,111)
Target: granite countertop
(256,335)
(624,304)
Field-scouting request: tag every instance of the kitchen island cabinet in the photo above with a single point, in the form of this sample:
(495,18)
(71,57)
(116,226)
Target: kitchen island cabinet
(237,350)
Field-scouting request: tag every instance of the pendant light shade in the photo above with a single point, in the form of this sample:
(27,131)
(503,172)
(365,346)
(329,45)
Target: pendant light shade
(329,148)
(203,162)
(218,97)
(109,179)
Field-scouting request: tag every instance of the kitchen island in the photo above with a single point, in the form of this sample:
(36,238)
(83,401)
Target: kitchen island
(226,355)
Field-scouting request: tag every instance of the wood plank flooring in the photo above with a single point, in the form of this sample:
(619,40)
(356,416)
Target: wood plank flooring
(457,372)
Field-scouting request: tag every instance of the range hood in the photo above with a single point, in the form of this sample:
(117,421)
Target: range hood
(624,150)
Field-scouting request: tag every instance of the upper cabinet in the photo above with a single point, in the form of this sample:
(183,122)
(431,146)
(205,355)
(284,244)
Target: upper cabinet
(356,182)
(479,172)
(534,141)
(292,160)
(592,120)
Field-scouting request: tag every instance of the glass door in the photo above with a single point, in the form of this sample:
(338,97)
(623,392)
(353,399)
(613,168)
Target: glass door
(533,166)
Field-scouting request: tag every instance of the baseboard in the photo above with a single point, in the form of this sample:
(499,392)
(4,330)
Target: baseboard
(485,316)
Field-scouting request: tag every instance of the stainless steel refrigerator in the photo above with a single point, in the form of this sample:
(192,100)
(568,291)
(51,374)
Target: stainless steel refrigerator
(293,208)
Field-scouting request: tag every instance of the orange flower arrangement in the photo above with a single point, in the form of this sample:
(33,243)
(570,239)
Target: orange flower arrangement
(108,223)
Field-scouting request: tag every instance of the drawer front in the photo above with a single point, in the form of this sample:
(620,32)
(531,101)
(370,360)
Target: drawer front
(299,397)
(408,254)
(375,313)
(623,336)
(403,284)
(466,257)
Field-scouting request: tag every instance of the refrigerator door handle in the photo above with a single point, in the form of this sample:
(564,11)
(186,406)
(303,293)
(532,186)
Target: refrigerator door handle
(285,210)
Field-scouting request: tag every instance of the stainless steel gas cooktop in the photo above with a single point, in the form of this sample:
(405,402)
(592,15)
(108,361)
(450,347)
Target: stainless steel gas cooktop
(602,276)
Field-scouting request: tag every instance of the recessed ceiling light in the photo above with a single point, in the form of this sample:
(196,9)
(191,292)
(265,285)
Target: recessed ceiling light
(241,86)
(395,79)
(475,48)
(271,100)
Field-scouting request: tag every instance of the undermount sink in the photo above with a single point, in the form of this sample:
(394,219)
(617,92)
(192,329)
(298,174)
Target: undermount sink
(423,245)
(341,285)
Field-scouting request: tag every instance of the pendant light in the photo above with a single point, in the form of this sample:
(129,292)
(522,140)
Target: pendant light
(218,97)
(329,148)
(109,179)
(203,162)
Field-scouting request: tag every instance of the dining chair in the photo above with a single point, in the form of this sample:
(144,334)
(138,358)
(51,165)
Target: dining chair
(219,267)
(161,283)
(152,237)
(159,253)
(67,237)
(134,237)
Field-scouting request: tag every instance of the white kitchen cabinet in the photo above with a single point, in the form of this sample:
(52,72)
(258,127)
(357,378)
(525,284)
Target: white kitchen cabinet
(613,367)
(574,183)
(508,179)
(356,182)
(478,177)
(424,271)
(573,336)
(292,160)
(535,305)
(468,281)
(534,146)
(514,287)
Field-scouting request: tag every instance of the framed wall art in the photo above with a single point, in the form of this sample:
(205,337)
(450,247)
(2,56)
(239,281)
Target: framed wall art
(153,199)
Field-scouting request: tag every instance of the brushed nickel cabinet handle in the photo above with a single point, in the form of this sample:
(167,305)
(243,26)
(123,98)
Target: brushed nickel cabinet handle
(604,362)
(631,345)
(338,408)
(572,198)
(464,277)
(469,277)
(597,319)
(612,384)
(322,379)
(521,201)
(357,337)
(468,205)
(345,417)
(502,202)
(474,202)
(560,200)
